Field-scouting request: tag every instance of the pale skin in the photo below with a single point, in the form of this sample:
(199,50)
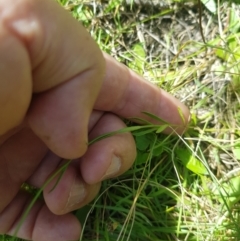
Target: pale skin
(58,91)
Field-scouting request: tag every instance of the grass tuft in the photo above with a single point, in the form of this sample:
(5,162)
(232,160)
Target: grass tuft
(180,188)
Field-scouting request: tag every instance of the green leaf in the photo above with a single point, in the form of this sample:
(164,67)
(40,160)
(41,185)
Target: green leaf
(82,213)
(161,128)
(236,152)
(143,132)
(222,54)
(157,150)
(138,53)
(124,130)
(210,5)
(83,15)
(234,185)
(191,162)
(229,190)
(140,121)
(112,5)
(234,23)
(231,53)
(144,141)
(235,77)
(141,157)
(154,117)
(181,115)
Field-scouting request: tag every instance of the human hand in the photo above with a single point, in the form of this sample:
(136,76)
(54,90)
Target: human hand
(57,92)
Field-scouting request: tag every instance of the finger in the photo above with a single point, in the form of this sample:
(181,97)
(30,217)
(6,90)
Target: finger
(72,192)
(60,118)
(68,192)
(26,152)
(128,95)
(108,157)
(61,53)
(51,161)
(48,165)
(19,157)
(40,224)
(15,81)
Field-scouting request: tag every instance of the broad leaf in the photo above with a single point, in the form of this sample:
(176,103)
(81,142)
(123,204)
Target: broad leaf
(191,162)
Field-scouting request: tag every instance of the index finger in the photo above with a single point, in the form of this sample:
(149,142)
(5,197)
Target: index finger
(128,95)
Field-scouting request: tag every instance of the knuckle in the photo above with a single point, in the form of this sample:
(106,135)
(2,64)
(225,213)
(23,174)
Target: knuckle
(20,18)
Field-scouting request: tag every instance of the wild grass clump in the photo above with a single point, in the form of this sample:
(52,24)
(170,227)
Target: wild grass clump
(180,187)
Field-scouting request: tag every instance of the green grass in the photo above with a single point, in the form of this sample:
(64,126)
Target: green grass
(180,188)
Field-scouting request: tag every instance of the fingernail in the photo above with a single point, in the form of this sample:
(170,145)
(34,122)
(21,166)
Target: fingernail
(113,168)
(76,195)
